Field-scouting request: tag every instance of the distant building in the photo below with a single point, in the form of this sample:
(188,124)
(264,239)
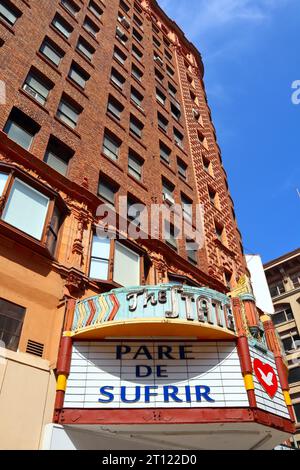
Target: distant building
(283,276)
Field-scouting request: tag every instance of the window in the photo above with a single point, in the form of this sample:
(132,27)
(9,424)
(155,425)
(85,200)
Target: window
(21,128)
(134,210)
(176,111)
(121,36)
(114,107)
(124,6)
(192,250)
(165,152)
(24,200)
(172,90)
(294,375)
(156,42)
(187,207)
(94,8)
(70,6)
(29,210)
(53,231)
(162,122)
(58,155)
(111,146)
(119,55)
(137,35)
(219,232)
(11,323)
(212,196)
(138,21)
(126,266)
(178,138)
(91,27)
(207,165)
(277,289)
(107,191)
(135,165)
(182,168)
(117,78)
(137,98)
(137,53)
(167,192)
(137,73)
(202,138)
(136,126)
(159,76)
(50,50)
(85,48)
(37,86)
(78,75)
(228,277)
(291,342)
(158,59)
(170,235)
(68,112)
(170,71)
(62,26)
(161,98)
(297,411)
(8,12)
(3,180)
(283,316)
(295,278)
(100,258)
(168,55)
(194,98)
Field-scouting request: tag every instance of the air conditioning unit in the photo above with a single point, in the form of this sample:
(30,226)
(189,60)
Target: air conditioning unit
(168,199)
(30,91)
(120,33)
(159,60)
(125,22)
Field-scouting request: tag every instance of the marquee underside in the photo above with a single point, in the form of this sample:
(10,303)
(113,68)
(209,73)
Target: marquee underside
(155,327)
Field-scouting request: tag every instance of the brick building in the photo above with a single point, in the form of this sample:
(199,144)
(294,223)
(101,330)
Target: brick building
(283,275)
(102,100)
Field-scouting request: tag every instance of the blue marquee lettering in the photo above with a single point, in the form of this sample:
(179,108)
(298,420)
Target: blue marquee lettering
(104,391)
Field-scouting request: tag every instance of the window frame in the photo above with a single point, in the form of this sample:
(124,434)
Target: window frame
(55,200)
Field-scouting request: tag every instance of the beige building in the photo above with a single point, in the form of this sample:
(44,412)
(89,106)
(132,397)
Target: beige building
(283,276)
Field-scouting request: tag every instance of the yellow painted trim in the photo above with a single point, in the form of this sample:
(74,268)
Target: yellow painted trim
(61,384)
(287,398)
(153,327)
(248,380)
(67,333)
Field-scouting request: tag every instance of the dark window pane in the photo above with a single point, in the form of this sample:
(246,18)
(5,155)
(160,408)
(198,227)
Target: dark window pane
(11,322)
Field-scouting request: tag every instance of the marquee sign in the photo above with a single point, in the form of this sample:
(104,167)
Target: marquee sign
(200,306)
(155,374)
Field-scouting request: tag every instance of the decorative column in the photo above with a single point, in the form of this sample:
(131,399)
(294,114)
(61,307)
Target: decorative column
(243,350)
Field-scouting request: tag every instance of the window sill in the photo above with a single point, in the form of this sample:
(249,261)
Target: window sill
(91,35)
(114,162)
(88,61)
(116,87)
(120,64)
(20,237)
(67,127)
(33,100)
(48,62)
(115,120)
(77,87)
(140,183)
(137,139)
(137,63)
(66,40)
(138,108)
(90,12)
(166,165)
(185,182)
(224,248)
(26,3)
(138,81)
(165,134)
(7,26)
(122,43)
(68,12)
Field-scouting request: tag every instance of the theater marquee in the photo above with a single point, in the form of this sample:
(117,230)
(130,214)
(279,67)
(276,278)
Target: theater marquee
(155,374)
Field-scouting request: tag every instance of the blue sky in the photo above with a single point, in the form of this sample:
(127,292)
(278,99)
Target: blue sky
(250,50)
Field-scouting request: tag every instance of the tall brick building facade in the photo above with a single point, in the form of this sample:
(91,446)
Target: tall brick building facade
(100,99)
